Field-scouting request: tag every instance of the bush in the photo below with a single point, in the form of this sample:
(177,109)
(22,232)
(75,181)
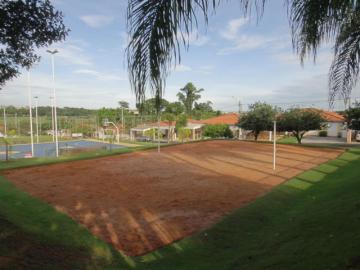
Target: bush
(322,133)
(217,131)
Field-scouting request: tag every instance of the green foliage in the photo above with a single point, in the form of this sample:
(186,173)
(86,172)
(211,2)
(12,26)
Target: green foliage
(123,104)
(353,117)
(183,133)
(188,95)
(181,121)
(148,107)
(260,117)
(217,131)
(323,133)
(299,121)
(26,26)
(175,108)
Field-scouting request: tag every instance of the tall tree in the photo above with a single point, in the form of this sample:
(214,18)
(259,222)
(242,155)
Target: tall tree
(188,95)
(299,121)
(158,29)
(123,104)
(259,118)
(353,117)
(26,25)
(175,108)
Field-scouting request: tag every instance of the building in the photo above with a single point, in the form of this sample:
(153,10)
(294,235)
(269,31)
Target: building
(230,119)
(334,124)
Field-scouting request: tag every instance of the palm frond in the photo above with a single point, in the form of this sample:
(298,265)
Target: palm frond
(157,30)
(344,70)
(316,21)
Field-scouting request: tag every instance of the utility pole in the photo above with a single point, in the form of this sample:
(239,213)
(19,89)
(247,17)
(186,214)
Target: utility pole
(36,119)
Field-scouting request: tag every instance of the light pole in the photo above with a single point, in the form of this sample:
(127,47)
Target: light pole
(5,124)
(30,111)
(52,118)
(36,119)
(274,147)
(52,53)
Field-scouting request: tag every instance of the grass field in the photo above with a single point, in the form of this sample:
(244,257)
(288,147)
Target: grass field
(310,222)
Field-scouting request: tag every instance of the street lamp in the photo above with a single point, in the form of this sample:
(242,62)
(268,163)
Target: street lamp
(52,118)
(5,124)
(52,53)
(30,111)
(36,119)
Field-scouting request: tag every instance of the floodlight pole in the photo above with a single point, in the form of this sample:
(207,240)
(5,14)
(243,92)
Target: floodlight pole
(36,119)
(158,135)
(30,112)
(5,124)
(274,150)
(54,100)
(52,118)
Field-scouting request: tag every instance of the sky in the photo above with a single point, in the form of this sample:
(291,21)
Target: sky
(235,59)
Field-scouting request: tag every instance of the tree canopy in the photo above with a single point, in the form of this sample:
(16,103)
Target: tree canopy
(188,95)
(26,25)
(299,121)
(353,117)
(159,29)
(259,118)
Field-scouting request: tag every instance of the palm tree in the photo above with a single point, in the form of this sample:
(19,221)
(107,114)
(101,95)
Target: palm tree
(158,30)
(188,95)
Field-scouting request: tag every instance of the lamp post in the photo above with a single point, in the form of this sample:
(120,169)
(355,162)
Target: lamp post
(30,112)
(36,119)
(52,53)
(52,118)
(274,147)
(5,124)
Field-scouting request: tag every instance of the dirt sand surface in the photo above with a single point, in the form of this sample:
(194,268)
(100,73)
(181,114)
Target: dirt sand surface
(141,201)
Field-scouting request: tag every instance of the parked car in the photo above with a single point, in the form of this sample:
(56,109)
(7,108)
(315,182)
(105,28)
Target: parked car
(357,137)
(143,139)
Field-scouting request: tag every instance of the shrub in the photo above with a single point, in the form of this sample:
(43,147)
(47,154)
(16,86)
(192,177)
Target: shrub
(217,131)
(323,133)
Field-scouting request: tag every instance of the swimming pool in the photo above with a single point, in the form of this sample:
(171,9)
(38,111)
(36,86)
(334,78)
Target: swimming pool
(48,149)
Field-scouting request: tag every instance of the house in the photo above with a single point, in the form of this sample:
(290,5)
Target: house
(230,119)
(167,129)
(334,123)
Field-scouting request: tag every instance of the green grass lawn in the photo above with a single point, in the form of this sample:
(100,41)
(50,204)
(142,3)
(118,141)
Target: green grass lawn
(309,222)
(288,140)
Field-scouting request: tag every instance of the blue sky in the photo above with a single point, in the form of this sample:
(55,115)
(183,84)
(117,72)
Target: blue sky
(233,59)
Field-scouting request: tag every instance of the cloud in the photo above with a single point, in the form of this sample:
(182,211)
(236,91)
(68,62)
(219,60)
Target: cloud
(233,27)
(206,69)
(194,38)
(245,43)
(70,52)
(101,76)
(97,21)
(182,68)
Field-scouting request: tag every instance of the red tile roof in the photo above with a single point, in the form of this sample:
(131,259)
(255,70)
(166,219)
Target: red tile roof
(330,116)
(228,119)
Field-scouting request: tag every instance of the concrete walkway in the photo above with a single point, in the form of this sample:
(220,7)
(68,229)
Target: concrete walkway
(326,140)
